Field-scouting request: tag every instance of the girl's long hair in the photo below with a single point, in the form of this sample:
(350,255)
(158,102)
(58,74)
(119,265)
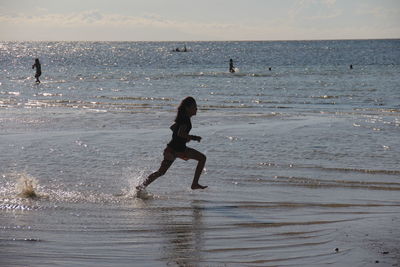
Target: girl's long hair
(186,103)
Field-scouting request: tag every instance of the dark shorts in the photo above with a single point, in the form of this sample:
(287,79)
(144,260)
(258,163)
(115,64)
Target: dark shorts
(171,155)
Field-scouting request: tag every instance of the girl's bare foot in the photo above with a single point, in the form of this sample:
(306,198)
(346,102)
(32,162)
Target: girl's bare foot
(198,186)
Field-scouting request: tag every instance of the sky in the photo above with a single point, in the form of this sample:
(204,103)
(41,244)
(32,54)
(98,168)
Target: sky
(200,20)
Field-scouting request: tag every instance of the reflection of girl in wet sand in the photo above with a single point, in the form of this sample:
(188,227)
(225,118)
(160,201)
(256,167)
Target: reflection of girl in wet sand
(177,148)
(38,69)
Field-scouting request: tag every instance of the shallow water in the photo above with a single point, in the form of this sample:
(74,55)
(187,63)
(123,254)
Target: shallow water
(301,160)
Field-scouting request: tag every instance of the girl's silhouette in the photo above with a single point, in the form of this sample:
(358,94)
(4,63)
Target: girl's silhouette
(177,148)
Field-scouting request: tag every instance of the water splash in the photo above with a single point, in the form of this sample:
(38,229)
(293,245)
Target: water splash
(26,186)
(134,178)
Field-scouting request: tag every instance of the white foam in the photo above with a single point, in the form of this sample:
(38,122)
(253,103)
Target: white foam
(26,185)
(134,177)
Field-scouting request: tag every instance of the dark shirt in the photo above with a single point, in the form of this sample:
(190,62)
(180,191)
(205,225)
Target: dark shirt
(38,68)
(178,143)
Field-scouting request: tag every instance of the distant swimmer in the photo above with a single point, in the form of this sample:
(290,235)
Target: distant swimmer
(269,68)
(351,66)
(231,67)
(177,148)
(38,69)
(184,49)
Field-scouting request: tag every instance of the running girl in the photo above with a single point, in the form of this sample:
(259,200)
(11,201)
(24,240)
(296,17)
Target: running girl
(177,148)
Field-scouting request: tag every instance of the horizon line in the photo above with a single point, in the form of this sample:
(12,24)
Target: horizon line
(192,41)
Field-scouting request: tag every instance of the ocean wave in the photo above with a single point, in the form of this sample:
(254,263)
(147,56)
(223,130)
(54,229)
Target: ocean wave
(120,104)
(256,205)
(212,74)
(93,105)
(138,98)
(387,111)
(334,169)
(48,94)
(10,93)
(328,183)
(293,223)
(326,97)
(14,206)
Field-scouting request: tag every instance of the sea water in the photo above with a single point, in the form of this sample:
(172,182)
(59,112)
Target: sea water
(302,151)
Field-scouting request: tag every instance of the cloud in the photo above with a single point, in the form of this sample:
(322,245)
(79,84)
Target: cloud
(314,10)
(307,19)
(95,18)
(379,12)
(330,2)
(97,21)
(331,14)
(91,16)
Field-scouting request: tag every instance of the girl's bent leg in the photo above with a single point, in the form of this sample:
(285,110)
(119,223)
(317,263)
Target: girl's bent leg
(165,164)
(201,158)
